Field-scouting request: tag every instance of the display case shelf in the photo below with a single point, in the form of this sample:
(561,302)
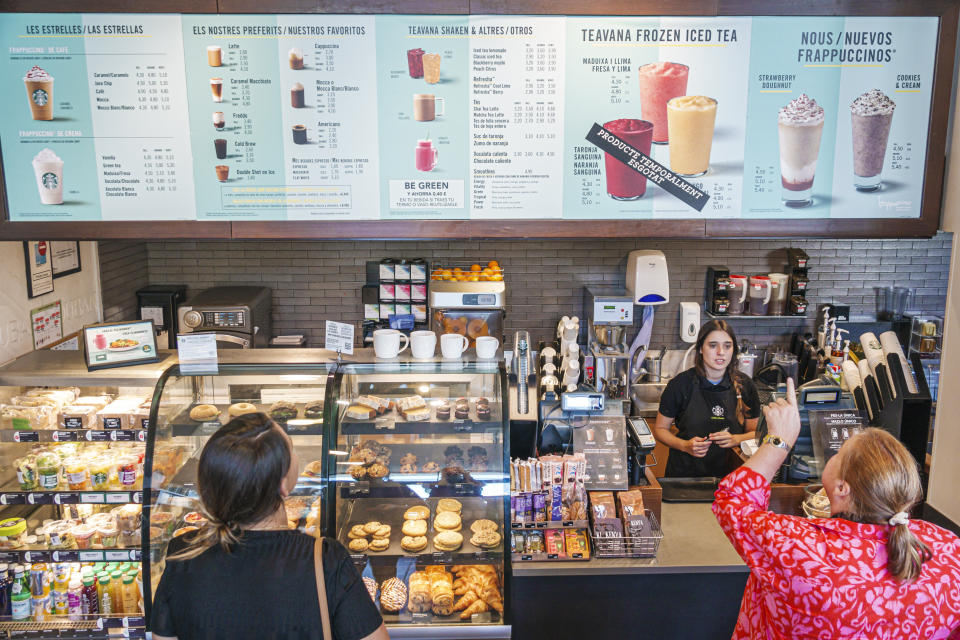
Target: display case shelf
(70,497)
(74,435)
(70,555)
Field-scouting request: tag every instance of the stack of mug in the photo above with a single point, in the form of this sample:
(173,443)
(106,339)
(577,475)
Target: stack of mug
(423,345)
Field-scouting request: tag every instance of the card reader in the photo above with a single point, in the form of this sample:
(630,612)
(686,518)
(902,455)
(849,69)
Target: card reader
(640,432)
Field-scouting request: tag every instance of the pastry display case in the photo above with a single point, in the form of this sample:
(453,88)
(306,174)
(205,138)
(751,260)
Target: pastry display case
(419,490)
(289,385)
(72,446)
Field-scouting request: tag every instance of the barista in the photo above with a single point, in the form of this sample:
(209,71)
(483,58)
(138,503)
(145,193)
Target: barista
(713,405)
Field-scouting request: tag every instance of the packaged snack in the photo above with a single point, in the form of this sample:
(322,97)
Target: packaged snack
(101,469)
(556,503)
(517,543)
(554,542)
(539,507)
(108,536)
(575,541)
(27,473)
(128,472)
(525,507)
(13,533)
(631,503)
(78,417)
(533,542)
(610,533)
(513,509)
(602,505)
(83,536)
(574,502)
(48,471)
(75,470)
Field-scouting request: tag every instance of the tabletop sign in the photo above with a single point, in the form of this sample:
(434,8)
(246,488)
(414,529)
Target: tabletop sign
(197,353)
(119,344)
(831,428)
(339,337)
(603,441)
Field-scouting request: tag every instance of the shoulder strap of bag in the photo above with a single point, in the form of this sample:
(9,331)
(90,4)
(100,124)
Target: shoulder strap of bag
(321,588)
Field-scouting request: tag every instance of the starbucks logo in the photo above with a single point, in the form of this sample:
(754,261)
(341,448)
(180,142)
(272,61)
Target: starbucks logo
(718,411)
(49,180)
(40,97)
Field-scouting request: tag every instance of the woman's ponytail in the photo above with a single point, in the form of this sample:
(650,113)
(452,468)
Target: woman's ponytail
(905,553)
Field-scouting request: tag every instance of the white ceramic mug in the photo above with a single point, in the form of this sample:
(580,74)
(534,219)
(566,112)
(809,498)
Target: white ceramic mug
(386,343)
(452,345)
(423,344)
(487,347)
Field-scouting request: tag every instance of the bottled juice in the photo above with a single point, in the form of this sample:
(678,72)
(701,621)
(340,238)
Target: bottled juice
(89,600)
(116,591)
(106,600)
(131,596)
(74,599)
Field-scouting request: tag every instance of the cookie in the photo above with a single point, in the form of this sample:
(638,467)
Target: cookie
(431,467)
(414,543)
(449,504)
(414,528)
(447,521)
(357,472)
(357,531)
(382,532)
(358,544)
(371,586)
(377,470)
(417,513)
(485,539)
(371,527)
(447,541)
(484,525)
(379,544)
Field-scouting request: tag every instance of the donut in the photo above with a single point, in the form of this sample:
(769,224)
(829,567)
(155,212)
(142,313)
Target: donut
(204,412)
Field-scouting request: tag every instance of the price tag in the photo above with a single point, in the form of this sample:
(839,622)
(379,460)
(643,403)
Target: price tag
(137,497)
(421,618)
(118,498)
(91,498)
(39,498)
(576,555)
(442,557)
(67,498)
(26,436)
(568,523)
(463,426)
(530,525)
(91,556)
(118,556)
(338,337)
(64,436)
(552,556)
(13,498)
(36,556)
(122,436)
(9,557)
(112,423)
(526,556)
(98,436)
(66,556)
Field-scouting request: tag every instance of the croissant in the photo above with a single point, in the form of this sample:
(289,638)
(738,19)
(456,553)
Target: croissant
(468,599)
(496,604)
(477,607)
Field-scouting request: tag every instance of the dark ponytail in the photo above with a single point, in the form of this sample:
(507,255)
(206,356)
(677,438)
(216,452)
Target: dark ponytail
(239,475)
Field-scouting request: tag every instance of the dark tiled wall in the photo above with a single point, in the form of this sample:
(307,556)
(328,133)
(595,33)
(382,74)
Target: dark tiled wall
(314,281)
(123,270)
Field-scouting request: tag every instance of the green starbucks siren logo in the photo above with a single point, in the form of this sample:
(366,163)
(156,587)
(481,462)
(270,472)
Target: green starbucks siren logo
(40,97)
(49,180)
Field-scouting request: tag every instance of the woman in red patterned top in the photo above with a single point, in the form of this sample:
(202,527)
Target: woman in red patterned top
(869,572)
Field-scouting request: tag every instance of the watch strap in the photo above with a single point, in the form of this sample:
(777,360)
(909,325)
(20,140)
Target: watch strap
(776,441)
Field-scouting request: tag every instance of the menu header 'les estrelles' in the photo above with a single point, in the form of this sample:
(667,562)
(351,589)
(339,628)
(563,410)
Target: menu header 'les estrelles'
(83,29)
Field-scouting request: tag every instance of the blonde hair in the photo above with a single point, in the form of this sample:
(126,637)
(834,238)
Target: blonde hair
(884,481)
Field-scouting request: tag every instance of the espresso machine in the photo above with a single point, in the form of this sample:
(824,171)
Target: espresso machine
(608,313)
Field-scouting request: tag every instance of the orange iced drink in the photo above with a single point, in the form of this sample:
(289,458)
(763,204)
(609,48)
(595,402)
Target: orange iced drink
(659,83)
(690,121)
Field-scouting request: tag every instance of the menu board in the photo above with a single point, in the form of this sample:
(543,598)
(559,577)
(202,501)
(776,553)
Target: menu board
(360,117)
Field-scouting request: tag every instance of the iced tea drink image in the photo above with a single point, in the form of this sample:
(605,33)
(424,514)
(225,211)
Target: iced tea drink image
(660,82)
(623,182)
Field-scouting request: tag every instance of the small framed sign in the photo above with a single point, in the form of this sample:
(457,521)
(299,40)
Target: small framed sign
(36,254)
(65,258)
(119,344)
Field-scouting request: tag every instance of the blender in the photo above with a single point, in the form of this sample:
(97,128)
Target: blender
(608,313)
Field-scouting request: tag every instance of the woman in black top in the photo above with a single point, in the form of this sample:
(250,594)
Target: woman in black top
(247,575)
(714,406)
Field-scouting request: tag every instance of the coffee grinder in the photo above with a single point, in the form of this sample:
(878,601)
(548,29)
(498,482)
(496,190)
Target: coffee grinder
(608,313)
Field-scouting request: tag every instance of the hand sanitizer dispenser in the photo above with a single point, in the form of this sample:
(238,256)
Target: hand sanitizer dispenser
(689,321)
(647,279)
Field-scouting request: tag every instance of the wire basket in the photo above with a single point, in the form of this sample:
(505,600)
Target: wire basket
(624,546)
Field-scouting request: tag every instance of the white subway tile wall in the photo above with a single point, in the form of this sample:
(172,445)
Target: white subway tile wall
(315,281)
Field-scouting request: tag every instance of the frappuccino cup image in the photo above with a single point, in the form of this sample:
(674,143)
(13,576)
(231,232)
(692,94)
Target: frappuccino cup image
(800,127)
(39,85)
(48,169)
(871,114)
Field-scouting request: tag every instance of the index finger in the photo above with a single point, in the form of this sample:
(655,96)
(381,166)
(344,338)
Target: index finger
(791,393)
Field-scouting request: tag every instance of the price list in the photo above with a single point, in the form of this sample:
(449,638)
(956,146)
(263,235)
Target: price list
(152,88)
(517,149)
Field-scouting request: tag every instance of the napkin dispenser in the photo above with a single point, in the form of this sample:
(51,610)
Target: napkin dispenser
(647,280)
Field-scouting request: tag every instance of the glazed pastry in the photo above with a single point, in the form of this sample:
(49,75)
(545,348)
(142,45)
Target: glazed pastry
(204,413)
(419,599)
(483,411)
(441,592)
(371,586)
(241,408)
(313,410)
(417,513)
(443,411)
(282,411)
(461,411)
(393,595)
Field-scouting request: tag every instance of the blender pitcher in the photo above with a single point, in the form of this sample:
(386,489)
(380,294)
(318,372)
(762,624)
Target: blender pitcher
(738,295)
(779,288)
(759,295)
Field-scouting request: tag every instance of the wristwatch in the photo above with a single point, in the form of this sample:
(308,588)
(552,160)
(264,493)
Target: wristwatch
(776,441)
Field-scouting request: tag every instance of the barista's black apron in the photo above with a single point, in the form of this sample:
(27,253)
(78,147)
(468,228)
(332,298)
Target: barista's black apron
(709,410)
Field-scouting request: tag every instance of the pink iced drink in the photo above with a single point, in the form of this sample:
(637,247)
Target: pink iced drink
(425,156)
(660,82)
(99,341)
(623,183)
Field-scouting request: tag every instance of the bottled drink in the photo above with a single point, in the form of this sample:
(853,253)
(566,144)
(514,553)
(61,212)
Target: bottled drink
(74,599)
(5,584)
(131,596)
(106,600)
(116,591)
(89,602)
(20,594)
(61,585)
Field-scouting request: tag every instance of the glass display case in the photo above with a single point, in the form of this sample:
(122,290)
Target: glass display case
(419,491)
(289,385)
(71,478)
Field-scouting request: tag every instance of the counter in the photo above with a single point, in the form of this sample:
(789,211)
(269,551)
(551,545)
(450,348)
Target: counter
(692,589)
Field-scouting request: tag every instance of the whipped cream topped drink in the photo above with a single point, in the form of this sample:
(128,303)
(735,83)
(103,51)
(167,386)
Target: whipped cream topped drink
(40,93)
(871,114)
(800,126)
(48,168)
